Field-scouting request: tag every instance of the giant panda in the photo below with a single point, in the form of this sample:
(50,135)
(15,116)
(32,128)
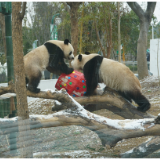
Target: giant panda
(112,73)
(48,56)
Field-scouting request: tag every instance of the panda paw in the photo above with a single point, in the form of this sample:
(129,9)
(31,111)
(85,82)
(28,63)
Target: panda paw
(34,90)
(70,70)
(143,109)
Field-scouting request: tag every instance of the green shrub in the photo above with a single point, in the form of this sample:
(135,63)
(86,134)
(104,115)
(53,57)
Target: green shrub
(132,67)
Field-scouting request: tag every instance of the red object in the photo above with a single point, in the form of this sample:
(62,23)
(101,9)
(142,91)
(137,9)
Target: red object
(74,83)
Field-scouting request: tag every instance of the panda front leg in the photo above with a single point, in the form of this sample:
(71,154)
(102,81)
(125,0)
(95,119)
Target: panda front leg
(34,82)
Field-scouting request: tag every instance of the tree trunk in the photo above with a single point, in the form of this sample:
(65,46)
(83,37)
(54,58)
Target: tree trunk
(2,23)
(141,48)
(74,29)
(119,34)
(109,39)
(98,37)
(20,85)
(109,51)
(145,19)
(74,24)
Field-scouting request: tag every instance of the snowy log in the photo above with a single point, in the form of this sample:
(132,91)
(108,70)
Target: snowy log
(109,131)
(9,89)
(145,149)
(110,100)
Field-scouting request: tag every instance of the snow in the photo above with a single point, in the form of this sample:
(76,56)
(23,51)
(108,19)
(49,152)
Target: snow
(130,151)
(8,119)
(57,102)
(41,116)
(118,124)
(142,149)
(150,79)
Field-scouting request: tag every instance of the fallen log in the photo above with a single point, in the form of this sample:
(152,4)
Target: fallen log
(109,131)
(110,100)
(145,149)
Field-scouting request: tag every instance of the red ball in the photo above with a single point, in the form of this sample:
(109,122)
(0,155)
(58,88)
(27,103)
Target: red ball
(74,83)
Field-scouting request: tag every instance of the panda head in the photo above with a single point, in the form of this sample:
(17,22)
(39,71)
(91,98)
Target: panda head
(81,59)
(78,62)
(68,50)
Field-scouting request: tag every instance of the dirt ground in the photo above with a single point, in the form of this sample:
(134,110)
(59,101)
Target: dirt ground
(150,88)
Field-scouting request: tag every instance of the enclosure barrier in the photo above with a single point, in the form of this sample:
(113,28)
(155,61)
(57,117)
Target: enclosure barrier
(8,106)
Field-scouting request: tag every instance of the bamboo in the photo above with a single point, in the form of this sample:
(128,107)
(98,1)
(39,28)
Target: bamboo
(8,31)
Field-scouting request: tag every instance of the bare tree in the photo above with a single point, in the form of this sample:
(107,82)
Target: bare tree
(145,19)
(20,85)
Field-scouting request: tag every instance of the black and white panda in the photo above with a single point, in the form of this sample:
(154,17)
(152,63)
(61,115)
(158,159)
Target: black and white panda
(112,73)
(48,56)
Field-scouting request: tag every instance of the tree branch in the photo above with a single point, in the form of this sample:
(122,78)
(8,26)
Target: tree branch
(23,10)
(110,100)
(98,37)
(150,9)
(66,6)
(105,128)
(137,9)
(144,149)
(74,4)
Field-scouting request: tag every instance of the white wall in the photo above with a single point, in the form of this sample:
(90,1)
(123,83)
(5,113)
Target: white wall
(153,56)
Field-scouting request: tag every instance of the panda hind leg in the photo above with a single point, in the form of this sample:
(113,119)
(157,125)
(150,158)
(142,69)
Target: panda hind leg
(125,95)
(33,83)
(141,100)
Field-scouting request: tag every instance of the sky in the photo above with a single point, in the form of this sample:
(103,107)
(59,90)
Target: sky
(157,11)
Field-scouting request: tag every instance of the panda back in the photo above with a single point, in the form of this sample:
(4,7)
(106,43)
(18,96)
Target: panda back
(118,76)
(38,57)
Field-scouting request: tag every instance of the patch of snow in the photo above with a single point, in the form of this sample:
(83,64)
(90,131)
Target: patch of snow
(8,119)
(119,124)
(52,90)
(142,149)
(41,116)
(130,151)
(149,139)
(150,79)
(152,124)
(57,102)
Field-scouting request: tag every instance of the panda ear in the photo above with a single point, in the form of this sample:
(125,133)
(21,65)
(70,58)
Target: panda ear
(87,53)
(66,41)
(80,57)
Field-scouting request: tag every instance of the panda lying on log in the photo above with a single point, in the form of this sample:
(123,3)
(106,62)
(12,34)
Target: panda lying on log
(48,56)
(112,73)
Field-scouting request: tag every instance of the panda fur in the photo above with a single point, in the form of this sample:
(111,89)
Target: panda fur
(48,56)
(113,74)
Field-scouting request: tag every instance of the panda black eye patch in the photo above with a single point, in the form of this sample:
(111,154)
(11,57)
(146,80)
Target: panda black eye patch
(70,53)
